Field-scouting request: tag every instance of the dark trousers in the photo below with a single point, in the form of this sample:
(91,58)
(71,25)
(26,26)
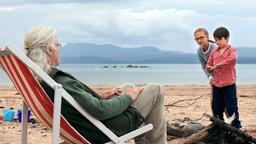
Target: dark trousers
(226,97)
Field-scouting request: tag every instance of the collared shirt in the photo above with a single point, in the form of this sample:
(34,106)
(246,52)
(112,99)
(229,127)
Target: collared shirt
(225,74)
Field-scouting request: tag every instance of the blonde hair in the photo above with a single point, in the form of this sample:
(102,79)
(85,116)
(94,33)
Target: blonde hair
(204,30)
(35,43)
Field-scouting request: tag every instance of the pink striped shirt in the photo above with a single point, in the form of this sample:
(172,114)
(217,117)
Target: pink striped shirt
(225,74)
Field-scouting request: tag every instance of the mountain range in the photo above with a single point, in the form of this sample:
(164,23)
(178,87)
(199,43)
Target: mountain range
(108,53)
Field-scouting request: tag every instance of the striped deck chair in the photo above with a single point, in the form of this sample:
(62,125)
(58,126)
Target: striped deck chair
(18,67)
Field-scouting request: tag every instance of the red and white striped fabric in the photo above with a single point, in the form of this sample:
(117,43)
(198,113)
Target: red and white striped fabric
(35,97)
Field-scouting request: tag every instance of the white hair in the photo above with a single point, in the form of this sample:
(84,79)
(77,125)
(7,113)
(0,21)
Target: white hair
(35,43)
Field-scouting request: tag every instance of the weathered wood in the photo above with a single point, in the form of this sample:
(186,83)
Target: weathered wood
(231,129)
(183,128)
(197,137)
(218,132)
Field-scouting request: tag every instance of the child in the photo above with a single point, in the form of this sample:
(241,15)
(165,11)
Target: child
(222,62)
(206,46)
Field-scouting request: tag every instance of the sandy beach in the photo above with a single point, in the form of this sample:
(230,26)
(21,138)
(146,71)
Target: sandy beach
(10,132)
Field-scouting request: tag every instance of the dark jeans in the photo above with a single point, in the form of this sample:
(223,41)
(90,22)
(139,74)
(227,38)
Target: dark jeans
(226,97)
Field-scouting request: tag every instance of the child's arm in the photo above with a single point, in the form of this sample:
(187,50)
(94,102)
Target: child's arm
(203,65)
(231,59)
(209,64)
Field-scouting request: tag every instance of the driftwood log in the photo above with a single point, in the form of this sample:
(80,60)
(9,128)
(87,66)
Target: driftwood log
(218,133)
(182,128)
(240,134)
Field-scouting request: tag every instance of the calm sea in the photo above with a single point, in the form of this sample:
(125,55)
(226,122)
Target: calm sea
(161,73)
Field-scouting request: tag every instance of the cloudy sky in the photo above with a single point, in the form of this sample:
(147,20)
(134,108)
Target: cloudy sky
(166,24)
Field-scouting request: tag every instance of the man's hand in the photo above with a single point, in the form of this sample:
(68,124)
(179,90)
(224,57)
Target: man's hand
(108,94)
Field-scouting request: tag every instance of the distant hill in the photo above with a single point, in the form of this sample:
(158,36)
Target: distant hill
(246,52)
(107,53)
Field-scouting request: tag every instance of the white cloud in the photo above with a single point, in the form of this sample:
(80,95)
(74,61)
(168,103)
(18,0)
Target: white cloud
(167,24)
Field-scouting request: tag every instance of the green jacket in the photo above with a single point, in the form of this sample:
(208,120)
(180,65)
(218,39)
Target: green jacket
(115,113)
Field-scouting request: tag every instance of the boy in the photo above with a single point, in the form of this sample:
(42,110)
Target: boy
(222,62)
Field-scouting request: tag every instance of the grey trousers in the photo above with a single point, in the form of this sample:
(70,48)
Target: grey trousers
(150,103)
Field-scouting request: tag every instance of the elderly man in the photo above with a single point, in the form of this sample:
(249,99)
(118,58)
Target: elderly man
(121,109)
